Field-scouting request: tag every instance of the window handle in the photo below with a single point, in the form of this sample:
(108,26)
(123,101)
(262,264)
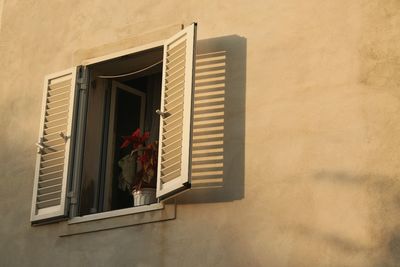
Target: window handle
(162,113)
(40,145)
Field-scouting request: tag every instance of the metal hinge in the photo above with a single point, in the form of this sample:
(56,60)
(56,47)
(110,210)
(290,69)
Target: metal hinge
(72,197)
(82,78)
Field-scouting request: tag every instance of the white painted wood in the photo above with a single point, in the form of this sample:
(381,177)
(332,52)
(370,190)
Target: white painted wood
(182,180)
(38,214)
(123,53)
(116,213)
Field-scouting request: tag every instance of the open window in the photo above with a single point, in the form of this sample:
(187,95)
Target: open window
(91,149)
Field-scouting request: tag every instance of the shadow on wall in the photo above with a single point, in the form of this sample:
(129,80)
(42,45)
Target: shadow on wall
(219,121)
(384,202)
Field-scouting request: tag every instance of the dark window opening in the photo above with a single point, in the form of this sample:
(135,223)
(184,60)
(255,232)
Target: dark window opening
(116,108)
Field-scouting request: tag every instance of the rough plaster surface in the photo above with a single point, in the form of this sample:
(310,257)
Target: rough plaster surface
(321,124)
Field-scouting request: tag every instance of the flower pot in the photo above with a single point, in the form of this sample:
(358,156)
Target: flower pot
(144,196)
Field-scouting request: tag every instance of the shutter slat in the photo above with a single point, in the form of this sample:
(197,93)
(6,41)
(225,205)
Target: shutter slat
(52,111)
(173,128)
(61,81)
(175,80)
(57,103)
(48,196)
(173,109)
(57,115)
(55,122)
(59,91)
(59,96)
(173,167)
(48,189)
(49,193)
(169,95)
(55,89)
(51,137)
(171,90)
(52,162)
(52,168)
(174,45)
(170,154)
(52,155)
(55,129)
(171,141)
(176,91)
(55,148)
(175,101)
(180,48)
(50,175)
(171,176)
(54,142)
(176,59)
(51,182)
(176,72)
(48,203)
(165,161)
(175,64)
(171,132)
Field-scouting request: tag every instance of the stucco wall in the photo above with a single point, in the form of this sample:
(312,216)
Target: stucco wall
(320,132)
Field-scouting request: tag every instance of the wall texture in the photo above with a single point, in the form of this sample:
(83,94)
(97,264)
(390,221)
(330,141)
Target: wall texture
(321,130)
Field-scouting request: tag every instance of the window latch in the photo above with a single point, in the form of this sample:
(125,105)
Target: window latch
(162,113)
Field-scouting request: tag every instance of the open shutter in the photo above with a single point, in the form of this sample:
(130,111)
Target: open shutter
(176,113)
(50,185)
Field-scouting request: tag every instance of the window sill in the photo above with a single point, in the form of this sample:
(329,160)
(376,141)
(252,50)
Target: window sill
(116,213)
(158,212)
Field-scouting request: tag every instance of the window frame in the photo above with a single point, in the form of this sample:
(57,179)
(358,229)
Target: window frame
(73,217)
(72,177)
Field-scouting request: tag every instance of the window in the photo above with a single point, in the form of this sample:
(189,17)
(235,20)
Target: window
(88,109)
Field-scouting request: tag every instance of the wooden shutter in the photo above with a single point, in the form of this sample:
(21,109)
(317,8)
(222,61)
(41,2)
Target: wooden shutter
(176,113)
(52,162)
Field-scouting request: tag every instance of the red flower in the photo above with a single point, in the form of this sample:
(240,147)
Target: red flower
(135,139)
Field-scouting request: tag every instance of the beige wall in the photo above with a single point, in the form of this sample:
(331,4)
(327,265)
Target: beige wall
(318,81)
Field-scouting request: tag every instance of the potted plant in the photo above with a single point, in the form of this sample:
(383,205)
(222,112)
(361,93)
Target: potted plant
(139,168)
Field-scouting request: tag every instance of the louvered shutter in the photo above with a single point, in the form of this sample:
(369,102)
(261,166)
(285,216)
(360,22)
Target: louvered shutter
(176,113)
(49,193)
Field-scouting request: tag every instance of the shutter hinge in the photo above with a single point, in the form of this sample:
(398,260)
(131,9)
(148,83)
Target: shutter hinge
(82,85)
(82,78)
(72,197)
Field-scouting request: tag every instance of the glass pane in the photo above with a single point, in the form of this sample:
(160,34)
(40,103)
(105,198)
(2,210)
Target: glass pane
(127,120)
